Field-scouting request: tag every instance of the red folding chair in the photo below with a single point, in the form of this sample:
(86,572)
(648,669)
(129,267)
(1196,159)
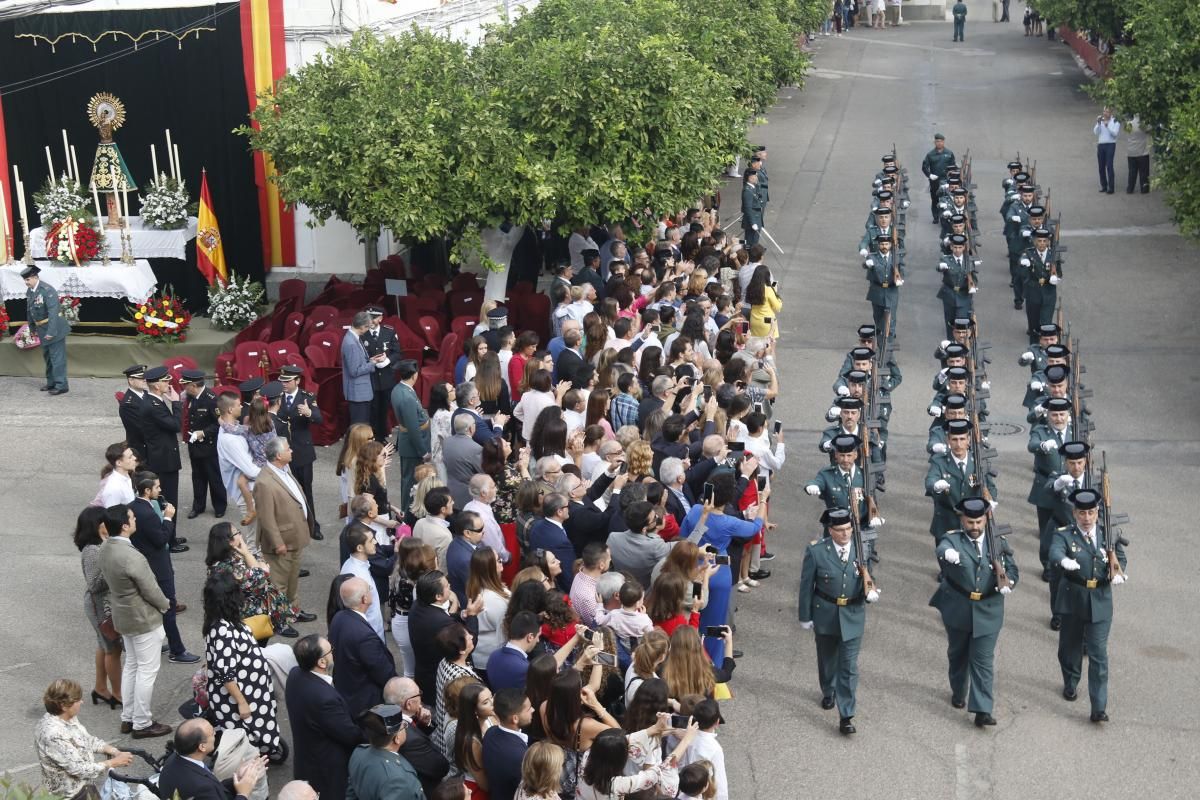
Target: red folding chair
(374,282)
(249,358)
(278,353)
(411,345)
(317,320)
(464,282)
(442,369)
(330,340)
(393,267)
(334,415)
(279,316)
(535,314)
(521,288)
(433,282)
(176,365)
(432,329)
(254,331)
(465,303)
(320,357)
(464,327)
(293,287)
(293,326)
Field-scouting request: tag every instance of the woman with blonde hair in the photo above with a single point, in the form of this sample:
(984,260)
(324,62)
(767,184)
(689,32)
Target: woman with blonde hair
(541,772)
(648,656)
(356,436)
(421,488)
(640,459)
(688,669)
(484,581)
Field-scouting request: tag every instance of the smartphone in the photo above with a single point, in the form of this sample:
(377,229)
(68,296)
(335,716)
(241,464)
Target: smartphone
(708,548)
(708,390)
(679,721)
(708,496)
(777,427)
(621,470)
(722,561)
(697,590)
(606,659)
(737,446)
(768,320)
(774,284)
(744,326)
(761,481)
(715,631)
(655,328)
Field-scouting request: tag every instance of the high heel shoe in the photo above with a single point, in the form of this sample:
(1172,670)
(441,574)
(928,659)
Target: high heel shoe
(98,698)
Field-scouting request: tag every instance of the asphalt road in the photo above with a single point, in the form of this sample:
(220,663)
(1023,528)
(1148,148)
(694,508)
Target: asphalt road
(1128,295)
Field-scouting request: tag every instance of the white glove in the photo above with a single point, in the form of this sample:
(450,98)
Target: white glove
(946,213)
(1062,482)
(1049,446)
(1024,262)
(1118,580)
(826,446)
(973,290)
(1026,234)
(1026,358)
(877,522)
(873,595)
(843,391)
(1104,556)
(806,626)
(1039,410)
(932,177)
(877,183)
(833,413)
(951,556)
(1055,280)
(754,227)
(979,262)
(935,410)
(939,448)
(870,262)
(812,490)
(994,503)
(940,486)
(944,343)
(1069,564)
(1005,590)
(985,385)
(904,204)
(1015,218)
(942,267)
(862,251)
(900,282)
(1037,386)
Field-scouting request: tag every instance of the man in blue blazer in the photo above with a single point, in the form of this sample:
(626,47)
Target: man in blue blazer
(364,663)
(548,533)
(504,745)
(323,733)
(436,608)
(469,403)
(507,666)
(467,529)
(357,369)
(186,775)
(153,540)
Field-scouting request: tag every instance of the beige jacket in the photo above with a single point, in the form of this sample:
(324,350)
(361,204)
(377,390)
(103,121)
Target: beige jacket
(133,595)
(281,517)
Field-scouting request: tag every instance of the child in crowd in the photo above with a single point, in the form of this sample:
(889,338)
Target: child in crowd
(630,620)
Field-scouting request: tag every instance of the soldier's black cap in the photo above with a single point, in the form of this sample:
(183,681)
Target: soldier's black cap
(888,179)
(374,311)
(958,219)
(290,372)
(1074,450)
(954,401)
(958,191)
(391,716)
(855,376)
(192,376)
(835,517)
(1048,330)
(890,169)
(958,373)
(1021,177)
(136,371)
(1085,499)
(958,238)
(880,238)
(156,374)
(749,172)
(760,148)
(888,158)
(939,136)
(1057,351)
(1015,165)
(250,386)
(846,443)
(884,194)
(866,331)
(953,182)
(1056,373)
(1058,404)
(958,427)
(973,507)
(272,390)
(962,324)
(1041,233)
(849,403)
(862,354)
(954,350)
(879,212)
(30,271)
(1037,211)
(1025,188)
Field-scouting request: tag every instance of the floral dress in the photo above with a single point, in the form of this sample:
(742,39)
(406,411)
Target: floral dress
(259,595)
(67,755)
(231,654)
(504,507)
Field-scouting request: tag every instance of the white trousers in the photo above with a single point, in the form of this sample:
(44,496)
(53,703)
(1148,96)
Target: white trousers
(143,657)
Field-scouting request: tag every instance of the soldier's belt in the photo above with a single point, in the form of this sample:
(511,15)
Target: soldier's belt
(839,601)
(1087,583)
(967,593)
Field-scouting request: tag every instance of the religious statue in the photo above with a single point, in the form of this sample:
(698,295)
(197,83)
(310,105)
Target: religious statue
(109,173)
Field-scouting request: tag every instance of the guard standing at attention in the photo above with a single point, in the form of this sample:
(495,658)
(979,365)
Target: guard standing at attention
(381,340)
(45,314)
(752,208)
(960,19)
(130,409)
(937,161)
(201,412)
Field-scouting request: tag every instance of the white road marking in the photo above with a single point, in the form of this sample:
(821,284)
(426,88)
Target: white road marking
(838,74)
(1162,229)
(11,667)
(20,768)
(962,51)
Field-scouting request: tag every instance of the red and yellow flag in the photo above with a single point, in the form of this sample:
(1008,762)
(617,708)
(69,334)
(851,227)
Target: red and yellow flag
(210,255)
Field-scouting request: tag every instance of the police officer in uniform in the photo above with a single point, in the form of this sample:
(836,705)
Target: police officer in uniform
(381,339)
(249,389)
(203,426)
(1035,356)
(298,411)
(752,208)
(45,313)
(835,483)
(412,428)
(1085,598)
(1016,217)
(1057,491)
(935,165)
(161,423)
(1043,272)
(951,478)
(970,597)
(130,409)
(960,282)
(833,606)
(885,276)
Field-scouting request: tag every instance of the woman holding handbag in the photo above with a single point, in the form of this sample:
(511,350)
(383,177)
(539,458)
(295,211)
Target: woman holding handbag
(89,535)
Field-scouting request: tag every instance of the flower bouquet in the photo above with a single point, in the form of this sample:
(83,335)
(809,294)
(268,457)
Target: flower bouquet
(237,304)
(4,320)
(70,308)
(165,206)
(26,338)
(57,201)
(161,319)
(75,240)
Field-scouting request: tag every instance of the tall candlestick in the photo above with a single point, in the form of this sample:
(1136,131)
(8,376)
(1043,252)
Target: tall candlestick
(170,159)
(125,204)
(66,152)
(75,166)
(19,188)
(96,200)
(50,164)
(178,167)
(5,255)
(154,162)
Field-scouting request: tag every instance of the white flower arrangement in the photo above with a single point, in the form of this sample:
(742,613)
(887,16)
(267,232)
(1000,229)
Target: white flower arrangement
(165,206)
(237,304)
(59,200)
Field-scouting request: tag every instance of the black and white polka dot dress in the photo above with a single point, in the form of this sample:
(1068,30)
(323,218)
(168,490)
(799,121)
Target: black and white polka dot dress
(232,654)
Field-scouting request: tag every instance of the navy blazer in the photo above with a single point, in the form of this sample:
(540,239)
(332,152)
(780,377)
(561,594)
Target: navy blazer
(130,412)
(502,755)
(424,623)
(323,733)
(458,567)
(153,540)
(364,664)
(545,535)
(485,431)
(427,760)
(506,668)
(192,782)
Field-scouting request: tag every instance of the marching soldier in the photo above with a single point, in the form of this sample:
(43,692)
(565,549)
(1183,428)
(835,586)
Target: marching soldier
(1056,355)
(961,333)
(970,597)
(849,424)
(203,426)
(937,161)
(381,339)
(130,409)
(752,208)
(834,483)
(956,383)
(1045,442)
(45,314)
(1014,168)
(298,411)
(890,182)
(867,338)
(883,198)
(1085,600)
(954,406)
(1057,385)
(833,600)
(951,478)
(953,355)
(960,282)
(1043,273)
(880,229)
(885,274)
(958,225)
(1035,356)
(1056,492)
(1017,216)
(957,207)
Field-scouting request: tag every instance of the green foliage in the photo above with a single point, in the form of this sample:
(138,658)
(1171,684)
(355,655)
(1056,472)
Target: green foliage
(1157,78)
(13,790)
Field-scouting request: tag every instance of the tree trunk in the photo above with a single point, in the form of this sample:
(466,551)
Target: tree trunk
(370,252)
(499,247)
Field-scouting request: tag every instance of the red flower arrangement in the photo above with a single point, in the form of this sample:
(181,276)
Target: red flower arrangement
(88,243)
(161,319)
(4,320)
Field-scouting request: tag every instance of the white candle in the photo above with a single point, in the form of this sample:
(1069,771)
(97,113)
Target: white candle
(125,204)
(50,164)
(75,165)
(154,162)
(3,225)
(66,152)
(178,168)
(96,200)
(18,189)
(170,160)
(21,203)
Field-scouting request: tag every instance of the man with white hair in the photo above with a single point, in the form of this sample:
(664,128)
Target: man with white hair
(612,455)
(418,749)
(546,471)
(284,521)
(364,664)
(462,456)
(679,500)
(297,790)
(483,493)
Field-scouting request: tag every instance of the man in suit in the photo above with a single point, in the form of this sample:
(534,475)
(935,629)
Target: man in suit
(364,663)
(590,274)
(970,597)
(467,529)
(418,749)
(587,522)
(52,328)
(357,368)
(152,539)
(201,411)
(283,521)
(951,478)
(462,456)
(508,666)
(377,770)
(130,409)
(137,605)
(383,346)
(570,360)
(323,732)
(832,605)
(298,411)
(504,744)
(161,424)
(185,773)
(412,426)
(469,405)
(1082,552)
(752,208)
(549,533)
(435,608)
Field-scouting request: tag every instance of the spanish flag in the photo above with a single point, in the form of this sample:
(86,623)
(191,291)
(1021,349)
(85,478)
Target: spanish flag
(210,255)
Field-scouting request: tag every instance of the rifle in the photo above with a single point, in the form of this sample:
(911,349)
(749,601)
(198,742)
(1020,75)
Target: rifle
(1078,392)
(1112,535)
(862,560)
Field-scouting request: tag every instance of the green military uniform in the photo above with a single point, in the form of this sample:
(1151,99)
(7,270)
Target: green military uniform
(1038,381)
(1041,284)
(935,165)
(962,483)
(1085,604)
(834,486)
(1015,223)
(45,315)
(960,20)
(828,435)
(883,290)
(870,238)
(752,213)
(1058,488)
(972,608)
(412,434)
(959,283)
(377,774)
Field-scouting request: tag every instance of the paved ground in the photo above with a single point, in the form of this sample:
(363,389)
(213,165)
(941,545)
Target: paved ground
(996,94)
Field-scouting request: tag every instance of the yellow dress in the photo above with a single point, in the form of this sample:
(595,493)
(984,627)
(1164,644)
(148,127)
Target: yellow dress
(769,308)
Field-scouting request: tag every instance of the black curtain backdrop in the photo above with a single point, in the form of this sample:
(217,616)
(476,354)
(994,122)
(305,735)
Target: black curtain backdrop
(197,90)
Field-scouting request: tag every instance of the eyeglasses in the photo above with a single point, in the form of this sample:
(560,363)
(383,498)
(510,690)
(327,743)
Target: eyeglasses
(474,530)
(328,652)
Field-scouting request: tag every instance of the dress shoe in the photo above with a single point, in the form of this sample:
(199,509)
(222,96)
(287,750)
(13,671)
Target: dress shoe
(194,513)
(845,726)
(1056,623)
(180,608)
(179,548)
(219,514)
(1110,191)
(1099,716)
(1103,190)
(287,631)
(760,574)
(57,391)
(304,573)
(305,616)
(126,727)
(45,388)
(1069,693)
(738,654)
(154,729)
(1046,575)
(827,703)
(183,658)
(1018,304)
(983,720)
(180,540)
(767,557)
(317,535)
(954,701)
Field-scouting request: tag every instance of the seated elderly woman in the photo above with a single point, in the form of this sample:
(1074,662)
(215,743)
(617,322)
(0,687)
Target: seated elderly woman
(66,751)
